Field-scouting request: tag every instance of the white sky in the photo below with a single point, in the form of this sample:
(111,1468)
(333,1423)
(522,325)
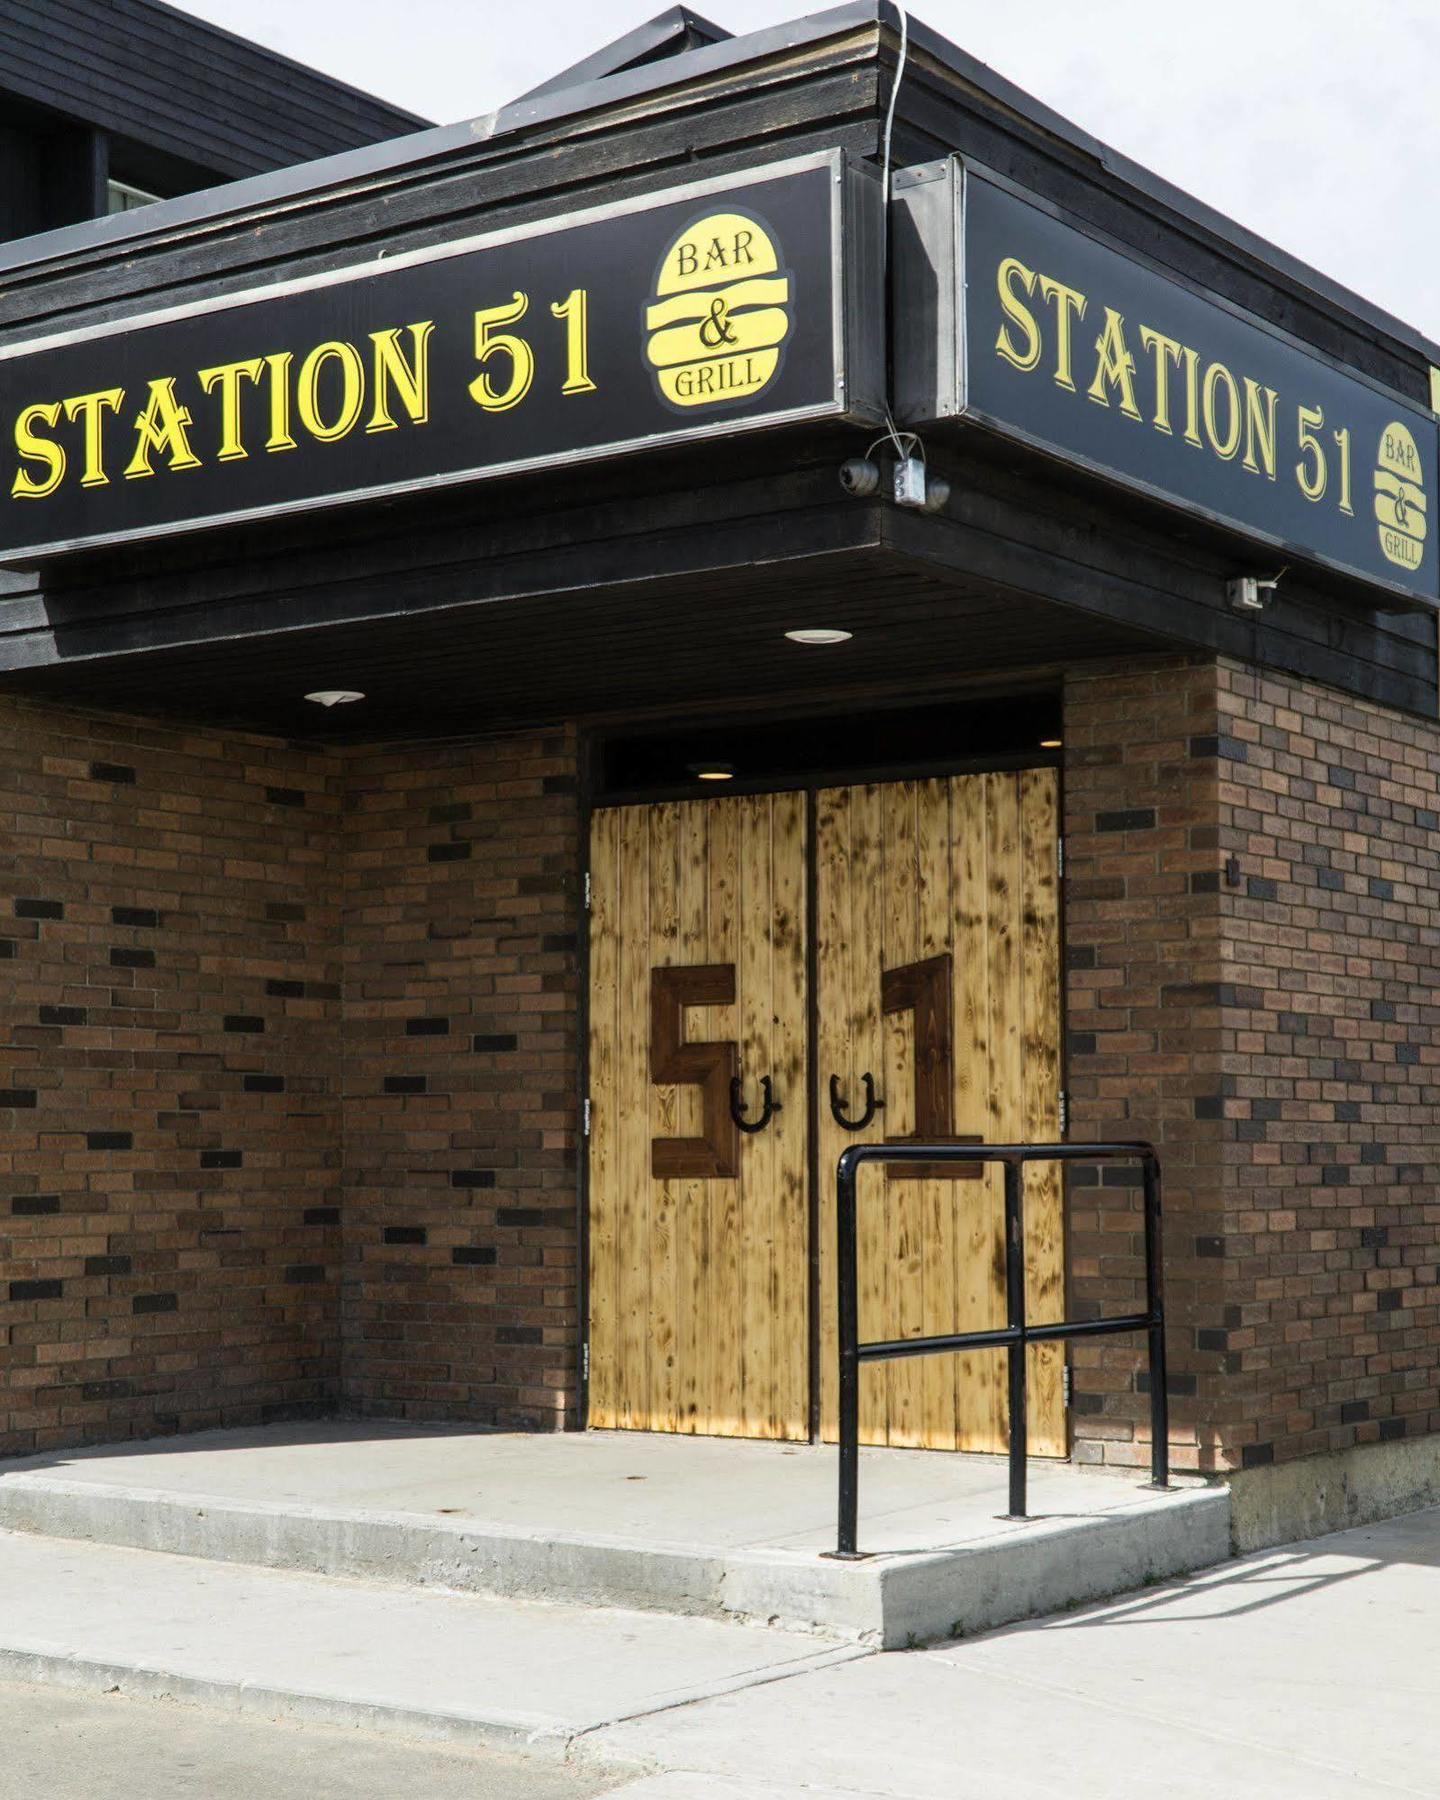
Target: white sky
(1314,122)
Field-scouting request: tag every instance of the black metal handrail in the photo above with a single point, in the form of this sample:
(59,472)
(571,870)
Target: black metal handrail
(1016,1333)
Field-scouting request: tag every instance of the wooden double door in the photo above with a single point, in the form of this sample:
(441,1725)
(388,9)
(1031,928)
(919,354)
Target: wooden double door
(728,1069)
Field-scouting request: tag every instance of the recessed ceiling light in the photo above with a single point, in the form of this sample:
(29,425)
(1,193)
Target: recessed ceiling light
(820,635)
(1051,743)
(334,696)
(712,771)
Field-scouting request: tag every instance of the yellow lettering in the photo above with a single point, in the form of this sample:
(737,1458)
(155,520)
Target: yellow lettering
(1069,304)
(227,377)
(37,449)
(1165,350)
(1115,366)
(91,408)
(409,379)
(1192,397)
(161,426)
(1260,404)
(352,390)
(1216,376)
(1026,355)
(278,363)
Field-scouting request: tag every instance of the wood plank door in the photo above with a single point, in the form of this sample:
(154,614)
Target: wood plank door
(699,1228)
(937,948)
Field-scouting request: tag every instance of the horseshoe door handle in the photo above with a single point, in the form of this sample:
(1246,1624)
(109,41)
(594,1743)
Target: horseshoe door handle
(872,1104)
(769,1105)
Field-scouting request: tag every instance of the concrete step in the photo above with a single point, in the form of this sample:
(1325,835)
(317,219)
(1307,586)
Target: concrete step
(460,1668)
(685,1526)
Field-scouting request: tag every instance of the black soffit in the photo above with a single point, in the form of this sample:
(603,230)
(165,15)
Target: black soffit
(639,650)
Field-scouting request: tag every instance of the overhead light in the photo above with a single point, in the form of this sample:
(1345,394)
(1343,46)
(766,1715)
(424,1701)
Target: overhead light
(712,771)
(1051,743)
(820,635)
(334,696)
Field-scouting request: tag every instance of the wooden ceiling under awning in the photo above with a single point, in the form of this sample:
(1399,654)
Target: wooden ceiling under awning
(628,649)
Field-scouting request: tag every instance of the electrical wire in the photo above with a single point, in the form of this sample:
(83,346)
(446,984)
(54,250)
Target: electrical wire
(892,432)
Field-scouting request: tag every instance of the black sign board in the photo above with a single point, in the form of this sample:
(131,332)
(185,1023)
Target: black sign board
(716,307)
(1093,355)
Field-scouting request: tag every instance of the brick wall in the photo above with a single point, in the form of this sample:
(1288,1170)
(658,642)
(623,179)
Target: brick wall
(1254,982)
(1144,1050)
(461,915)
(169,1112)
(1331,1069)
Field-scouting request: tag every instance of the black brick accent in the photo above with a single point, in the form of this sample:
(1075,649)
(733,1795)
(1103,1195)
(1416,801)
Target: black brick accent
(1208,1338)
(285,912)
(7,949)
(1374,1237)
(243,1022)
(222,1159)
(286,990)
(1259,887)
(1209,1246)
(1205,881)
(322,1215)
(404,1084)
(1137,818)
(36,1290)
(477,1255)
(155,1303)
(1210,1106)
(144,918)
(32,1206)
(1353,1411)
(1382,1010)
(39,909)
(1330,880)
(264,1084)
(299,1273)
(1381,890)
(1390,1300)
(1390,1429)
(16,1097)
(519,1334)
(559,784)
(1256,1456)
(442,853)
(494,1040)
(1407,1054)
(403,1234)
(451,814)
(109,1140)
(278,796)
(104,1390)
(534,1215)
(62,1015)
(132,959)
(427,1027)
(107,1265)
(1341,778)
(119,773)
(472,1178)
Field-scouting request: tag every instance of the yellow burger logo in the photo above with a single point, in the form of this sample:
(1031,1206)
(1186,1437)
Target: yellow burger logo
(1400,497)
(720,313)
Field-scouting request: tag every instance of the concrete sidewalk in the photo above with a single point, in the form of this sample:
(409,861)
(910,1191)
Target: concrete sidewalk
(716,1528)
(1306,1673)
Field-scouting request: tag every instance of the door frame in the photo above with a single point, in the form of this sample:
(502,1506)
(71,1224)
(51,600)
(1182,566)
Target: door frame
(591,800)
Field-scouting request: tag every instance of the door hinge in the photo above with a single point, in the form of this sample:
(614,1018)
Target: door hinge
(584,1118)
(587,890)
(585,1367)
(1064,1383)
(1060,858)
(1063,1100)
